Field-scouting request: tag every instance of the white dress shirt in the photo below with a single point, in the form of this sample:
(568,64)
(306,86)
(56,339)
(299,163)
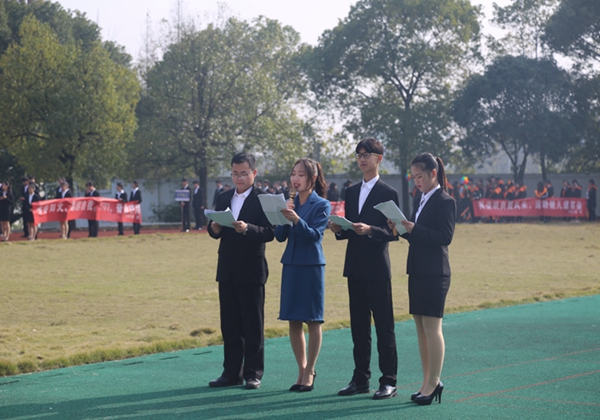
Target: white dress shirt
(237,201)
(424,199)
(365,190)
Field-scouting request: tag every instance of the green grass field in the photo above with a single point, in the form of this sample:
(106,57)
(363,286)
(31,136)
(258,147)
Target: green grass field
(89,300)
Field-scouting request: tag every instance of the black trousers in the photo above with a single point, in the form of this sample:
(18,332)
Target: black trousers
(136,228)
(372,297)
(185,217)
(198,215)
(120,228)
(93,228)
(242,327)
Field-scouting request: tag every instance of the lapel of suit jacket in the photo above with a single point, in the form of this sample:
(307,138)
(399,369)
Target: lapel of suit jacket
(430,202)
(305,208)
(370,201)
(247,203)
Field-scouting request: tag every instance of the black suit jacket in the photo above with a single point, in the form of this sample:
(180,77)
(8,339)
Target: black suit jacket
(67,194)
(242,257)
(198,198)
(94,193)
(217,192)
(368,257)
(136,197)
(121,196)
(430,237)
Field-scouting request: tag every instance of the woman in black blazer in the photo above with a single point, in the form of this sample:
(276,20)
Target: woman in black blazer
(429,232)
(6,202)
(28,217)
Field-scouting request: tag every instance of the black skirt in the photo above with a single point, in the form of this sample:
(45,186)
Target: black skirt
(427,295)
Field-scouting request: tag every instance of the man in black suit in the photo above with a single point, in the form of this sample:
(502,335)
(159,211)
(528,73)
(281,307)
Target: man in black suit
(120,195)
(198,204)
(92,224)
(242,273)
(218,190)
(136,195)
(367,267)
(185,207)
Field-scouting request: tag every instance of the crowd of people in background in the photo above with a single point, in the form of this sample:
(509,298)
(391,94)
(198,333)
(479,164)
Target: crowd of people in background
(466,193)
(31,192)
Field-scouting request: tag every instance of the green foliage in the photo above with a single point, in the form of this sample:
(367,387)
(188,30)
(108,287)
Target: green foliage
(519,106)
(586,157)
(390,66)
(168,213)
(65,108)
(574,29)
(216,92)
(524,22)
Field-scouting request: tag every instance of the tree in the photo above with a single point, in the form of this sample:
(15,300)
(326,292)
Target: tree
(586,157)
(524,21)
(390,66)
(65,109)
(520,106)
(574,29)
(216,92)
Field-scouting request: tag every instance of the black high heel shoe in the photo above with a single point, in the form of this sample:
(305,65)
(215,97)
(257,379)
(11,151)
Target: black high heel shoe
(436,394)
(414,396)
(308,388)
(295,387)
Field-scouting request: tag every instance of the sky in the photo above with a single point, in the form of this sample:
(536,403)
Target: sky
(125,21)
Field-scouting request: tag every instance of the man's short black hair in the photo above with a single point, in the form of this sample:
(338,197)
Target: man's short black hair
(120,184)
(371,145)
(89,184)
(244,157)
(196,182)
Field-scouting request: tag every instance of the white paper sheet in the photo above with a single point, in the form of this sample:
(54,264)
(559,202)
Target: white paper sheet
(272,204)
(392,212)
(341,221)
(224,218)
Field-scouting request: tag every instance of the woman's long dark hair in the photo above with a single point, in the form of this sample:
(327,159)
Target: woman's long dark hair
(312,168)
(427,162)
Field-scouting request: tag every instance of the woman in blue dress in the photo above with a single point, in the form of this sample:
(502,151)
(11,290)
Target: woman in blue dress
(303,274)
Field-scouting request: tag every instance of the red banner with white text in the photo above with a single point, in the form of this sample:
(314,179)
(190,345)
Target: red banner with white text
(91,208)
(338,208)
(531,207)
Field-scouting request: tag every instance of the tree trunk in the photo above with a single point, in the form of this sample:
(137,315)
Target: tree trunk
(543,166)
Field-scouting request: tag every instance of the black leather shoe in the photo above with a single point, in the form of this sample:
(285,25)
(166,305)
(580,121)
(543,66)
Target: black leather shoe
(223,381)
(414,396)
(353,388)
(253,383)
(385,391)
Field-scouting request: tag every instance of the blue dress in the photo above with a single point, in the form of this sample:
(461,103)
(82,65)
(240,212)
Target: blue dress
(303,274)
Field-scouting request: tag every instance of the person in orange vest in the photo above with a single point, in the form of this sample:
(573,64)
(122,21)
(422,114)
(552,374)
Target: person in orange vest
(542,193)
(510,195)
(520,194)
(566,192)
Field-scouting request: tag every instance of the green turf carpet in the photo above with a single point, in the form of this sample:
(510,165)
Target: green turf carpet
(539,361)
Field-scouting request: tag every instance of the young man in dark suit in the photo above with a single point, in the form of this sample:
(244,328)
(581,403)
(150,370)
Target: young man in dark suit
(121,195)
(242,273)
(92,224)
(367,267)
(136,195)
(198,204)
(218,190)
